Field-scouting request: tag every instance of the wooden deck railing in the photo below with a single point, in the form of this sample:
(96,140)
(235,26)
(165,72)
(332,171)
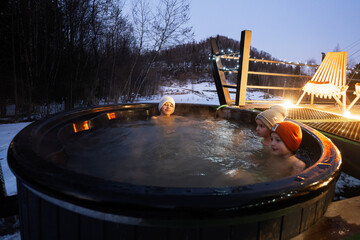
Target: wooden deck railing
(243,71)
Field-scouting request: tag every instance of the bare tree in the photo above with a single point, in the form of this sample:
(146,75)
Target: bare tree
(337,48)
(141,19)
(106,24)
(170,24)
(309,70)
(167,25)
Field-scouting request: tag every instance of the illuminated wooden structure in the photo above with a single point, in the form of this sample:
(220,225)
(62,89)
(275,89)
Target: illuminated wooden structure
(219,76)
(357,93)
(222,86)
(329,80)
(242,71)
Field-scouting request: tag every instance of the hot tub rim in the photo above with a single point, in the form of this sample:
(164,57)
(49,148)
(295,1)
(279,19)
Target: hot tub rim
(228,195)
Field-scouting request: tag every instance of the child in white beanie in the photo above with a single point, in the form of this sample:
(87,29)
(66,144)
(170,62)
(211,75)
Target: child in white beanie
(166,106)
(266,119)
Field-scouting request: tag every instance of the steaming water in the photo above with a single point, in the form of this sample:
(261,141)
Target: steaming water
(171,152)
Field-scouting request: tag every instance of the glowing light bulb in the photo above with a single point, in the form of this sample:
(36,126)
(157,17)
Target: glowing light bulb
(347,114)
(288,104)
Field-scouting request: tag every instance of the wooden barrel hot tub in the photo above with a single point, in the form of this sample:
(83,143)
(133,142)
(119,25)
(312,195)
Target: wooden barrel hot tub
(56,203)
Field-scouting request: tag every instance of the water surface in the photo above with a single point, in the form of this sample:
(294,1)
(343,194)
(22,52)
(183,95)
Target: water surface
(172,152)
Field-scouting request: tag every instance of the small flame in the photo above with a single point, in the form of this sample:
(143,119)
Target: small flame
(81,126)
(111,115)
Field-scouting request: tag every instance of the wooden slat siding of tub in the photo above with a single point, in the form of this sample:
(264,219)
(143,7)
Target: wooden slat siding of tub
(91,228)
(270,229)
(216,233)
(68,225)
(246,231)
(311,212)
(291,224)
(49,216)
(22,194)
(34,216)
(52,222)
(320,208)
(115,231)
(308,218)
(145,233)
(330,196)
(183,233)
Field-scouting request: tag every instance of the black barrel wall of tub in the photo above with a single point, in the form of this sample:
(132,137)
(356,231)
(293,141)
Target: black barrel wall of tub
(56,203)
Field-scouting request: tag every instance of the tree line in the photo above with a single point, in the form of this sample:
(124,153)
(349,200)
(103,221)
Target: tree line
(82,51)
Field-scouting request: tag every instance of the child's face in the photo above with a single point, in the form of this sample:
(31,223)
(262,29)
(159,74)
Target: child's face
(261,129)
(167,109)
(278,147)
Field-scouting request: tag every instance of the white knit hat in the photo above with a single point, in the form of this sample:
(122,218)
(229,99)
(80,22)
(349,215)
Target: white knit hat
(275,114)
(280,108)
(165,99)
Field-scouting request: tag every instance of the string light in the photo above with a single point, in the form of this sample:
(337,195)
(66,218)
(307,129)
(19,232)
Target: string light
(231,55)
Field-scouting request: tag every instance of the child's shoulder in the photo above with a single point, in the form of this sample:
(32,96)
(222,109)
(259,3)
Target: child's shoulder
(298,164)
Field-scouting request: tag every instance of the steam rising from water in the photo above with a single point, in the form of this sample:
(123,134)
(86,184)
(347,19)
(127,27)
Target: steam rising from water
(172,152)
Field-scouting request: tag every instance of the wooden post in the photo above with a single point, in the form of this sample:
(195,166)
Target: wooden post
(243,67)
(219,76)
(302,95)
(353,102)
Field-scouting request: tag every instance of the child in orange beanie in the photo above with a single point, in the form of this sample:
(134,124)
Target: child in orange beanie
(266,119)
(285,140)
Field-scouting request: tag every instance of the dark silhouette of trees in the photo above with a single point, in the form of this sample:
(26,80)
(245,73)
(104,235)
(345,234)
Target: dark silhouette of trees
(74,52)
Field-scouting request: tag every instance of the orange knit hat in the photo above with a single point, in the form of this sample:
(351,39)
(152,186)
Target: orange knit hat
(290,133)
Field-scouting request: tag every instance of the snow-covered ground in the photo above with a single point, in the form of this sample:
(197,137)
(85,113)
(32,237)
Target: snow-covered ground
(7,133)
(200,93)
(203,92)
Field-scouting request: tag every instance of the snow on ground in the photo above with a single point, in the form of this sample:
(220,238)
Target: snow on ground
(203,92)
(7,133)
(15,236)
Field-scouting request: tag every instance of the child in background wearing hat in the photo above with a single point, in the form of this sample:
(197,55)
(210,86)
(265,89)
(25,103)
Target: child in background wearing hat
(285,140)
(266,119)
(166,107)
